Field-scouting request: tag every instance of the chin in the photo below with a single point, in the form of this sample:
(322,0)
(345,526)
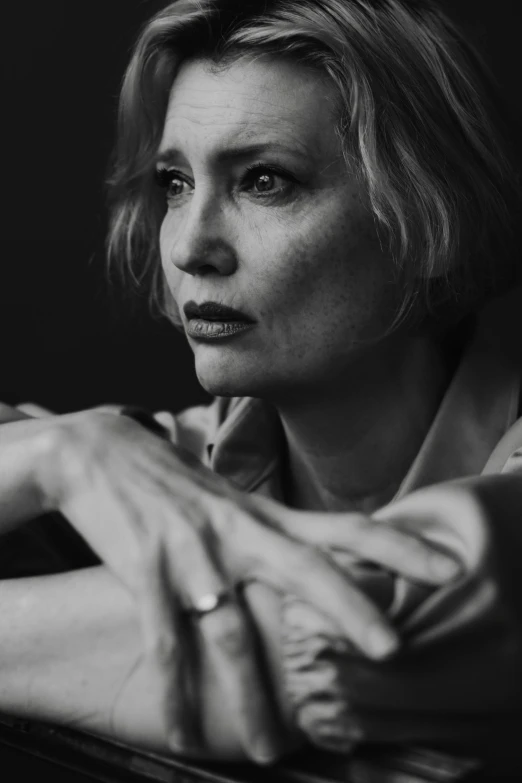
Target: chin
(224,374)
(222,378)
(221,388)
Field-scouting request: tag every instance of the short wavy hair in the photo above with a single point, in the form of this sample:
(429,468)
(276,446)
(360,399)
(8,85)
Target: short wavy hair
(420,121)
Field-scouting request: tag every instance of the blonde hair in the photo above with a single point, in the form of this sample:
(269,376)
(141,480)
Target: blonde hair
(419,117)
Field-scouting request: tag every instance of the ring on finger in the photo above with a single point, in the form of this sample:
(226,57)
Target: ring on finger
(210,602)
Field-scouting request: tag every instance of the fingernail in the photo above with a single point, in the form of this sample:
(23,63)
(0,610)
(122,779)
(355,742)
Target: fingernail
(444,567)
(381,642)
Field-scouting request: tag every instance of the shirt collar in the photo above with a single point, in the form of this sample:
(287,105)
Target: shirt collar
(479,406)
(248,445)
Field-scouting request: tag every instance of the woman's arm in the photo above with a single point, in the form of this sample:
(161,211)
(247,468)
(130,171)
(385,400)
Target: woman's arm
(70,648)
(67,644)
(133,497)
(71,653)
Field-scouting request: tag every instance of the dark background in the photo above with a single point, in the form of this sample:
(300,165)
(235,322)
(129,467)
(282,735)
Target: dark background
(67,339)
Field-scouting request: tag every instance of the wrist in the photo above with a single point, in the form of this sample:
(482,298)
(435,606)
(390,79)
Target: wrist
(62,444)
(26,449)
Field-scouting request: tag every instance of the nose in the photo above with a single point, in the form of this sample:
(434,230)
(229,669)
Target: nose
(201,243)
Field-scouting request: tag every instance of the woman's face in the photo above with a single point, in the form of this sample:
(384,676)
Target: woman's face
(263,216)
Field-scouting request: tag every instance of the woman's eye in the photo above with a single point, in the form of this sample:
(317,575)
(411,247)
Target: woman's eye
(260,181)
(176,187)
(263,181)
(172,183)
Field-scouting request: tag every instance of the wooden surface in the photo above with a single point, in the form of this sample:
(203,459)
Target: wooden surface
(31,751)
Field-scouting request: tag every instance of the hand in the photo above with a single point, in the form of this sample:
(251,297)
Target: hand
(119,487)
(167,527)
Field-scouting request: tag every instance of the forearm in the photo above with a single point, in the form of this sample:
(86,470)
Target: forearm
(71,653)
(67,644)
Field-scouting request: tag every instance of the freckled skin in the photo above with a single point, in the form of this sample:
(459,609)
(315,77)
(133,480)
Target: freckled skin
(306,264)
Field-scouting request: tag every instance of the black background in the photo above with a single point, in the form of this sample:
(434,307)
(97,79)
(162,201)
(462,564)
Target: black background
(68,339)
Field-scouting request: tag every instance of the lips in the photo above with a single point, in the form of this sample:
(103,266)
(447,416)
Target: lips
(213,321)
(212,311)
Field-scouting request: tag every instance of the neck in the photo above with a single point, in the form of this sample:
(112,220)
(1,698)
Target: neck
(351,445)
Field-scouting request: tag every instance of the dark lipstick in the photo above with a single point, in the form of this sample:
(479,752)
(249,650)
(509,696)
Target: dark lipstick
(213,321)
(212,311)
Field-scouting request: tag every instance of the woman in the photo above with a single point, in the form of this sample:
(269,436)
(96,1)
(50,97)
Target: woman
(320,194)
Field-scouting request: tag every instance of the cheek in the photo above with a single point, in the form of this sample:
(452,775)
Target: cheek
(334,269)
(172,274)
(164,245)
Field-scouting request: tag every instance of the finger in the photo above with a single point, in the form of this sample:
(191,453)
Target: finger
(229,643)
(449,517)
(307,572)
(333,593)
(165,645)
(401,551)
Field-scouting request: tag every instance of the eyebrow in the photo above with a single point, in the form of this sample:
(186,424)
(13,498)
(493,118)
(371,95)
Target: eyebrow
(171,154)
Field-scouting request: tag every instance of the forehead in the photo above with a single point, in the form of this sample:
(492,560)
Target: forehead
(250,101)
